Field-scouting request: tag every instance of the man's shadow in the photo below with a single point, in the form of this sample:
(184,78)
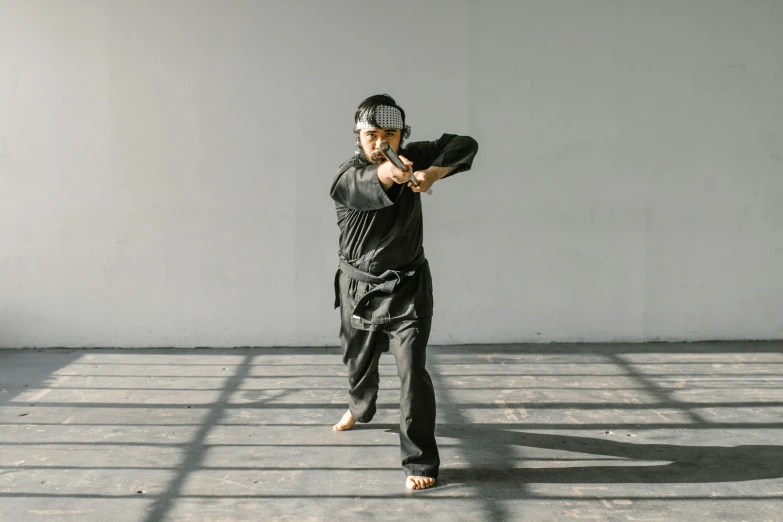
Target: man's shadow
(687,464)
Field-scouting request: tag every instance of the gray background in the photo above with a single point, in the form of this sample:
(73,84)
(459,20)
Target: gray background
(165,167)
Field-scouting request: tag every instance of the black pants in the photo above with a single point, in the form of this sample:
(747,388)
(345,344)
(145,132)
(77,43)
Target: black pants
(407,341)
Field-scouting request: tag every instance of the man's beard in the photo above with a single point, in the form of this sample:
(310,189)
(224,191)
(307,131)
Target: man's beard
(377,157)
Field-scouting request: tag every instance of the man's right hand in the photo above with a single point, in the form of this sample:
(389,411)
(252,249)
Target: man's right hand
(389,174)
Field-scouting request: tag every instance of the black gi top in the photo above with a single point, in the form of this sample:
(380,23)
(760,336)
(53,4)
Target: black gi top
(383,230)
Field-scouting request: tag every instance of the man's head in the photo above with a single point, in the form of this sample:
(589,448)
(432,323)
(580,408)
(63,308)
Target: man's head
(378,119)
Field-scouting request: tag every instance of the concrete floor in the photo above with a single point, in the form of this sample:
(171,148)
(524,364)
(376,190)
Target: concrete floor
(528,432)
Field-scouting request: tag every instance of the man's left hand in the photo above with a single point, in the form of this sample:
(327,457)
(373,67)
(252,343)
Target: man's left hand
(427,177)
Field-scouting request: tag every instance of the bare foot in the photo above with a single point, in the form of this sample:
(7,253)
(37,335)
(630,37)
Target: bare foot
(346,423)
(414,482)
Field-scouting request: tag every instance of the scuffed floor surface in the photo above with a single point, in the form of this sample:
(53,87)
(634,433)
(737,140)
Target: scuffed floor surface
(527,432)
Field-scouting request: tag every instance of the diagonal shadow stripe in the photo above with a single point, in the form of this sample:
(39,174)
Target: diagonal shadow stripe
(664,395)
(473,454)
(195,451)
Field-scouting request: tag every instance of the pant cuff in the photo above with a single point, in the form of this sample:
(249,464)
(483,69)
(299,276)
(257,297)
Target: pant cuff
(419,473)
(362,419)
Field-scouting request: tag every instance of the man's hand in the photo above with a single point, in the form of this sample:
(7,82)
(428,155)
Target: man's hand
(388,174)
(427,177)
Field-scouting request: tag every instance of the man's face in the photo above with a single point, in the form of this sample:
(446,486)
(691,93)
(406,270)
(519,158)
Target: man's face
(370,140)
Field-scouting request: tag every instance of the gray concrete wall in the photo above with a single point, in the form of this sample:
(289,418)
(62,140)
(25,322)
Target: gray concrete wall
(165,167)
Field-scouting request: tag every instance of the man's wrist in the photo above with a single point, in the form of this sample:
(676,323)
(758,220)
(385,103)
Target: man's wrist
(440,172)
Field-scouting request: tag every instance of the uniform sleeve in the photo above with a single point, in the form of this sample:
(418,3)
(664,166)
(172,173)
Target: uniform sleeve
(449,150)
(357,186)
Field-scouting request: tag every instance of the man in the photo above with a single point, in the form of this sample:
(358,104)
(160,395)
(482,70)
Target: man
(383,286)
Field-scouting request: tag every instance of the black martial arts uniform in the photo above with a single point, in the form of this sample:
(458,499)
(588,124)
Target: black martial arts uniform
(384,290)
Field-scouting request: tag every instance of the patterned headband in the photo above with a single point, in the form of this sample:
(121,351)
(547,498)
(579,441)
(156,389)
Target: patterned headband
(387,117)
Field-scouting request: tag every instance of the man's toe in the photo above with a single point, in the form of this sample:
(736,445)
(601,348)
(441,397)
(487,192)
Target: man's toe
(415,482)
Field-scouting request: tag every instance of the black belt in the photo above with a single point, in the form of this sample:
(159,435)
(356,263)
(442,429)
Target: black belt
(385,283)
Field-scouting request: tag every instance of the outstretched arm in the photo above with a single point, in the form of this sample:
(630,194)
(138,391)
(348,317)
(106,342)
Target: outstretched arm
(439,159)
(367,187)
(357,186)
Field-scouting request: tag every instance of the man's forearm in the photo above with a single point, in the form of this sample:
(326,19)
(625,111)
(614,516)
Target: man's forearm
(433,173)
(440,172)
